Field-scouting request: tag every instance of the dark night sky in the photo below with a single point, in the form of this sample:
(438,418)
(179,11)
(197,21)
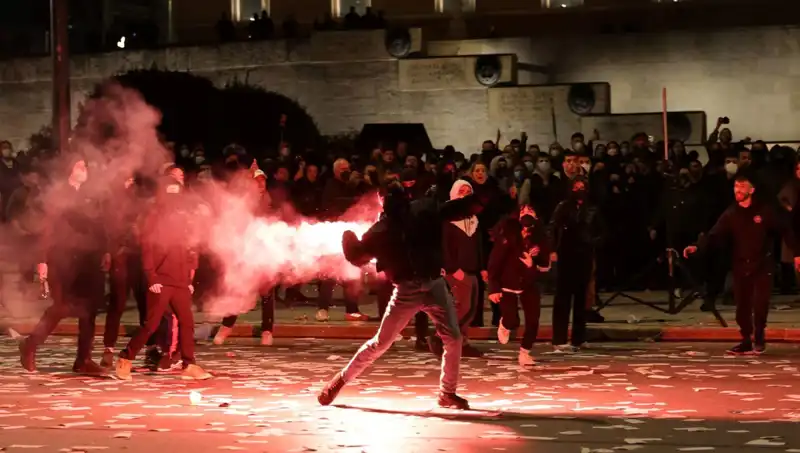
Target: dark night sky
(22,13)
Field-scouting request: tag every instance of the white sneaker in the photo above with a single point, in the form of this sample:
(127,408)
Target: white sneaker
(564,349)
(525,357)
(322,315)
(503,334)
(266,338)
(222,335)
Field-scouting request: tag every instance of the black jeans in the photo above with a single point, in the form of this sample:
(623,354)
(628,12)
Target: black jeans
(751,292)
(351,293)
(126,276)
(267,312)
(572,281)
(180,300)
(67,304)
(531,302)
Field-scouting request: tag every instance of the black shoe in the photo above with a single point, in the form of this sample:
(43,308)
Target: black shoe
(468,350)
(331,390)
(89,368)
(592,316)
(742,348)
(436,346)
(759,348)
(27,356)
(421,345)
(152,357)
(453,401)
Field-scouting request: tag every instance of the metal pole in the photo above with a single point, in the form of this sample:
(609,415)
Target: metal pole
(59,48)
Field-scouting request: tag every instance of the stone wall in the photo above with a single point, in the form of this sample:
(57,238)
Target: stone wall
(750,75)
(347,79)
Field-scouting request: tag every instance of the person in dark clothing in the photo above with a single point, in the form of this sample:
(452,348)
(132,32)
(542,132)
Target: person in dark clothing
(75,254)
(25,216)
(385,288)
(751,226)
(577,230)
(718,186)
(260,207)
(464,266)
(407,245)
(9,176)
(169,265)
(126,268)
(306,192)
(340,194)
(500,204)
(521,251)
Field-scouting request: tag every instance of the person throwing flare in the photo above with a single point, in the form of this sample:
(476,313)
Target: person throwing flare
(407,245)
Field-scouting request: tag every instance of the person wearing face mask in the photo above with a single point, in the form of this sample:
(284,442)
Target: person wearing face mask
(405,249)
(578,143)
(73,257)
(521,189)
(464,264)
(546,188)
(499,170)
(577,229)
(520,254)
(169,265)
(341,192)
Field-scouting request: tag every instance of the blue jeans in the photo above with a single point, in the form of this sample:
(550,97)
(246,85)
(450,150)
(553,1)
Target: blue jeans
(434,298)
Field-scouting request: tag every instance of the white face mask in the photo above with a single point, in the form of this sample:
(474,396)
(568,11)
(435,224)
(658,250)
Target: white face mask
(731,168)
(613,152)
(199,159)
(586,167)
(554,152)
(543,166)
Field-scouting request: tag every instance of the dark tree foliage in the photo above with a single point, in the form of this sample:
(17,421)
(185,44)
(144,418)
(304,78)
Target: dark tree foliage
(251,117)
(194,111)
(187,102)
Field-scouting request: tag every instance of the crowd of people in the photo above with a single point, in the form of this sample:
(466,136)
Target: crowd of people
(572,219)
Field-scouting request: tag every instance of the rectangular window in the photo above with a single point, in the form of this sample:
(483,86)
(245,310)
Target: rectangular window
(450,6)
(342,7)
(561,3)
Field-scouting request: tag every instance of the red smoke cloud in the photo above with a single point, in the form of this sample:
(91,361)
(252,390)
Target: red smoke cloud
(255,251)
(117,136)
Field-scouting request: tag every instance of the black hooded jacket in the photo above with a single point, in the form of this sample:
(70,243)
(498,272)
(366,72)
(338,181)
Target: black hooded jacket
(506,268)
(407,241)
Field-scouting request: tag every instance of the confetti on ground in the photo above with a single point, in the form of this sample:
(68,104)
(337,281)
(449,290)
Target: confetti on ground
(265,399)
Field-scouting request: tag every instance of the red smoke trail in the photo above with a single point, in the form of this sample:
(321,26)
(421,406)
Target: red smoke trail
(258,251)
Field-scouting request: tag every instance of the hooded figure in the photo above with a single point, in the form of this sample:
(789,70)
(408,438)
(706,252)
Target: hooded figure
(464,263)
(407,245)
(576,230)
(520,253)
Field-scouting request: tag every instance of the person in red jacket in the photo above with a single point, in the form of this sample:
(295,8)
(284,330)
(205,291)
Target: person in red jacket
(169,264)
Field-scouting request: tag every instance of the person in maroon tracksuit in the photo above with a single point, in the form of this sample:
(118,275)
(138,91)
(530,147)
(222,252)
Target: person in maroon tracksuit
(521,251)
(169,264)
(750,226)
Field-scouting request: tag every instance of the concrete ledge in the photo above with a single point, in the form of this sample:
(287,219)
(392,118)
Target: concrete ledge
(363,331)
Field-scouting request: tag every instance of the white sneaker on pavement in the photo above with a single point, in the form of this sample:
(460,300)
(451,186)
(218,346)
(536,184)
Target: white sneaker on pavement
(503,334)
(525,357)
(266,338)
(222,335)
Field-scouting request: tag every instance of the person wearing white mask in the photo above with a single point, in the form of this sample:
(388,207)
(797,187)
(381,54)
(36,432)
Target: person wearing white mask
(464,263)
